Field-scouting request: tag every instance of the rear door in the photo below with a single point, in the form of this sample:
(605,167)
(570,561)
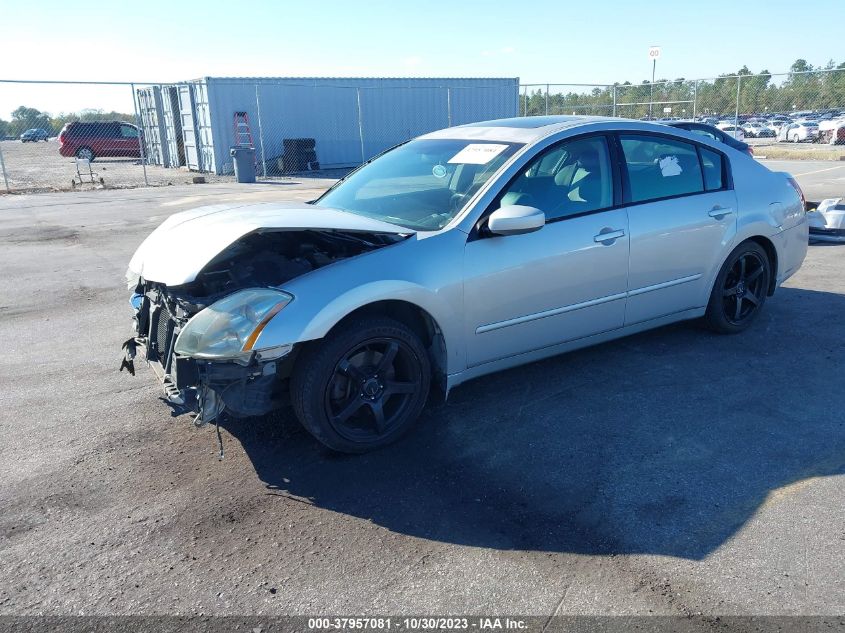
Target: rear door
(682,218)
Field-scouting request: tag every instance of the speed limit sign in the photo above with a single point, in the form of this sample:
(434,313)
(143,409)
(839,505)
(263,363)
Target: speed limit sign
(654,53)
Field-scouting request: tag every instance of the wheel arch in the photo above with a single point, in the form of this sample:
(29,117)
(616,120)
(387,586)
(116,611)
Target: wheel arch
(421,322)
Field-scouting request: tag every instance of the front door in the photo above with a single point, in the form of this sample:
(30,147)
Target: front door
(566,281)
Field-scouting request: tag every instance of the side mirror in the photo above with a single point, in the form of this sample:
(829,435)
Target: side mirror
(515,219)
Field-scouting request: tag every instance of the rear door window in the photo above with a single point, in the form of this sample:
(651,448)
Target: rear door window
(660,167)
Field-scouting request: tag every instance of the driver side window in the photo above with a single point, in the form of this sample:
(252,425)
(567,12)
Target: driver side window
(568,179)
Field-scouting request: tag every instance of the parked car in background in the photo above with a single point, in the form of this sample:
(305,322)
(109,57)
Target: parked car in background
(34,135)
(827,221)
(832,131)
(799,132)
(776,124)
(731,130)
(462,252)
(712,132)
(91,140)
(752,129)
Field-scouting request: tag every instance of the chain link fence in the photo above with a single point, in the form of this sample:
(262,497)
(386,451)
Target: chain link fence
(817,95)
(65,136)
(127,135)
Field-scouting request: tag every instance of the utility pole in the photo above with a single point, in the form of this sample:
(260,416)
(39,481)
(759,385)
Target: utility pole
(653,55)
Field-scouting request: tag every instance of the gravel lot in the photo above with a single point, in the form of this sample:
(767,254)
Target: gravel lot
(38,167)
(673,472)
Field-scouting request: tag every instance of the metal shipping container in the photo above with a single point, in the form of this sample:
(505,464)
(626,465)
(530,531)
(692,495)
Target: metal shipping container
(175,155)
(151,111)
(351,119)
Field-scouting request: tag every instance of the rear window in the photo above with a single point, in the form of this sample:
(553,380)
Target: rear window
(661,167)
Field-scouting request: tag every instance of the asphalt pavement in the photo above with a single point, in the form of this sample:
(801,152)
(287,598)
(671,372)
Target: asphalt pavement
(819,179)
(673,472)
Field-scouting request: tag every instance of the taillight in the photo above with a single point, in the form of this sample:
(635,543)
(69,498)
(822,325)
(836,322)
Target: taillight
(797,188)
(750,150)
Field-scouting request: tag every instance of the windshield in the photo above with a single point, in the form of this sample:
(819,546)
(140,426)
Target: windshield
(422,184)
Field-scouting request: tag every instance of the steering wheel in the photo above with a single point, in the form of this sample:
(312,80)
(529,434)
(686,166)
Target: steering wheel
(456,201)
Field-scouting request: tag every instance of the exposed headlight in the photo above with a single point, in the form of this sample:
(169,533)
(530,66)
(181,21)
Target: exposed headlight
(228,328)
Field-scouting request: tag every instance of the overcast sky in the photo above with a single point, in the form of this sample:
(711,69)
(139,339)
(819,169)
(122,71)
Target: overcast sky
(540,41)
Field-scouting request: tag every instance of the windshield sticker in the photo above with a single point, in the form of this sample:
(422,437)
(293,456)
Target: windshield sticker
(439,171)
(669,166)
(478,153)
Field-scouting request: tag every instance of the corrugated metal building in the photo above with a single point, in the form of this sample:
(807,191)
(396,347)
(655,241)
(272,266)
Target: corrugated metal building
(191,124)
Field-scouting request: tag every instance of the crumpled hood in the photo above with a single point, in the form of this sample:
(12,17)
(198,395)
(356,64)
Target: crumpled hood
(184,243)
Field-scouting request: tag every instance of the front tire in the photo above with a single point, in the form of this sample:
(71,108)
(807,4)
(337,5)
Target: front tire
(740,291)
(363,386)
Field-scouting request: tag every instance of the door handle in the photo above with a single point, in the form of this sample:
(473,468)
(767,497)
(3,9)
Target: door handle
(608,236)
(720,212)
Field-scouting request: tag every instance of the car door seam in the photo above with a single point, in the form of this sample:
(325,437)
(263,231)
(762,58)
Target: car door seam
(481,329)
(489,327)
(664,284)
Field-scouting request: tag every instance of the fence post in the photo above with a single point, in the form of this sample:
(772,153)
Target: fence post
(614,99)
(360,124)
(449,106)
(525,102)
(141,138)
(3,169)
(736,114)
(547,99)
(694,97)
(260,131)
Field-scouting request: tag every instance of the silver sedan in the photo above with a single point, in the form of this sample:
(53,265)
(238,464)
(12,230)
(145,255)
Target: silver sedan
(459,253)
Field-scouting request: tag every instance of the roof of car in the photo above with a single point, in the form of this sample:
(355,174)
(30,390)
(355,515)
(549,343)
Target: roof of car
(524,129)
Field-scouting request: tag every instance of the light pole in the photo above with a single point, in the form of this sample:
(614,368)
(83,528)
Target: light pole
(653,55)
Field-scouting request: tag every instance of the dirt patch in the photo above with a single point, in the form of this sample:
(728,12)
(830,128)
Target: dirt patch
(48,233)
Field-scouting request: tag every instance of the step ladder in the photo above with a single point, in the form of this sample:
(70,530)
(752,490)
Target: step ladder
(243,133)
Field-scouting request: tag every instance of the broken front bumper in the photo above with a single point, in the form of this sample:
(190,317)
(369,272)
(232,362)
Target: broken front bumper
(207,387)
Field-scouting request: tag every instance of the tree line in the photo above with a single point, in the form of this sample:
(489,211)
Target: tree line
(24,118)
(802,89)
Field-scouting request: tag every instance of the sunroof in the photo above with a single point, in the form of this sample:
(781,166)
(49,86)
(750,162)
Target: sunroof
(523,121)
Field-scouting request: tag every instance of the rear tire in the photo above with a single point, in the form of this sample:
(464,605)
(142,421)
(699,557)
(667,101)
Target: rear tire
(85,153)
(363,386)
(740,290)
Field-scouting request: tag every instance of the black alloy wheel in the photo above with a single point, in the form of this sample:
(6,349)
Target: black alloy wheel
(740,290)
(371,389)
(362,386)
(745,287)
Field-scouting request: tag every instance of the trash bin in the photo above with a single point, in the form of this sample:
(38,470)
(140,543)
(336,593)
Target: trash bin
(243,157)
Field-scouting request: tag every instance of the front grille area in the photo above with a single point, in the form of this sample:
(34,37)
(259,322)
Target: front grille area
(161,335)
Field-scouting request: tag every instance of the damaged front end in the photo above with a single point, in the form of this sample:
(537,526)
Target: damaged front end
(201,336)
(178,336)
